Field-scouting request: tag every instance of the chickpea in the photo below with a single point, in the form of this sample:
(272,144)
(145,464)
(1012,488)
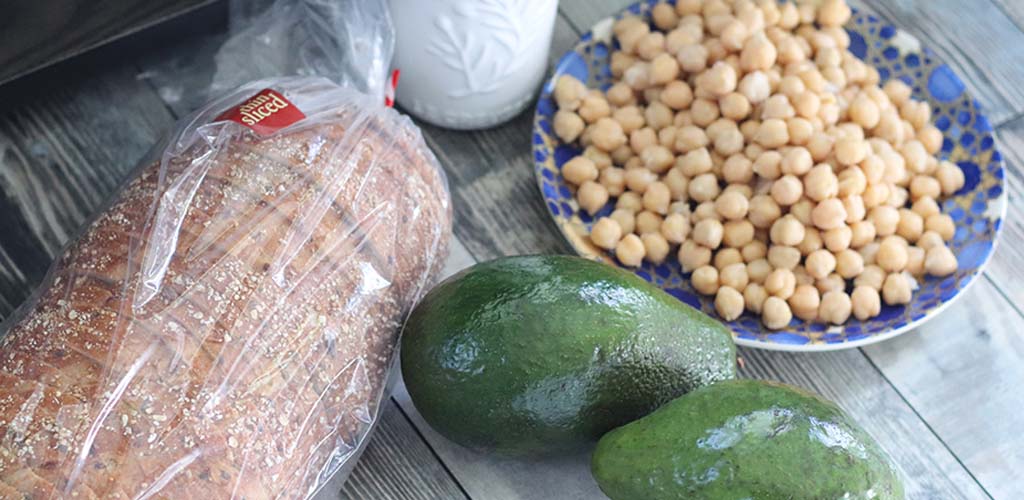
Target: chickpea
(783,257)
(620,155)
(865,302)
(630,201)
(734,106)
(667,136)
(732,205)
(850,150)
(787,190)
(820,183)
(777,107)
(708,232)
(838,239)
(811,242)
(754,250)
(942,224)
(820,263)
(729,142)
(797,161)
(676,95)
(914,156)
(630,250)
(705,280)
(940,261)
(689,7)
(802,211)
(897,91)
(608,134)
(910,225)
(875,195)
(657,197)
(849,263)
(719,80)
(787,231)
(804,302)
(737,169)
(692,256)
(729,303)
(769,165)
(835,307)
(692,58)
(864,111)
(755,87)
(647,222)
(705,210)
(625,218)
(916,113)
(592,196)
(925,206)
(637,179)
(754,297)
(568,125)
(950,177)
(734,275)
(800,130)
(657,158)
(807,104)
(772,133)
(641,139)
(675,228)
(658,115)
(569,92)
(634,163)
(892,254)
(737,233)
(763,211)
(854,206)
(930,138)
(896,289)
(775,313)
(629,118)
(828,214)
(606,233)
(929,239)
(593,108)
(664,16)
(868,252)
(758,53)
(601,159)
(655,247)
(678,184)
(690,138)
(726,257)
(872,277)
(873,169)
(703,112)
(915,261)
(885,219)
(829,283)
(852,181)
(620,62)
(614,180)
(758,270)
(734,34)
(579,170)
(704,187)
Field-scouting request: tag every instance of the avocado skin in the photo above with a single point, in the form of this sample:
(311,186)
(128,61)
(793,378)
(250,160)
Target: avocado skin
(744,439)
(544,354)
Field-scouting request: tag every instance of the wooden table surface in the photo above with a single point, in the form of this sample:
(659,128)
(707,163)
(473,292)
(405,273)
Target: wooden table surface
(946,400)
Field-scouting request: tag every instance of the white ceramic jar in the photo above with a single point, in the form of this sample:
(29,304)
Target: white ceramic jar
(469,64)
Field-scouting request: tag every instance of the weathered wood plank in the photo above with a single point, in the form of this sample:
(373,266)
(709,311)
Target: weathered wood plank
(962,373)
(396,464)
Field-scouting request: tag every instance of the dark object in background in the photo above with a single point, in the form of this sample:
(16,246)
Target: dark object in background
(35,34)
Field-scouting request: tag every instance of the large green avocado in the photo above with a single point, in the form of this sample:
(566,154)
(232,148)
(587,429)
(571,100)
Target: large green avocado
(544,354)
(744,439)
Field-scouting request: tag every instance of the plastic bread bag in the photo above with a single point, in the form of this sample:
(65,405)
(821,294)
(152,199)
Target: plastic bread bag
(226,326)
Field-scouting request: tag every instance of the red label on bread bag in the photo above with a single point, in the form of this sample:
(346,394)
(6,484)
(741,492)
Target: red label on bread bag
(265,113)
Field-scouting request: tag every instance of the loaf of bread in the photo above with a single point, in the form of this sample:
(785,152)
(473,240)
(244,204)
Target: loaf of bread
(225,328)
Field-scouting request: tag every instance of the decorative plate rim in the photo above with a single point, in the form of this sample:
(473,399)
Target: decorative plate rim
(601,30)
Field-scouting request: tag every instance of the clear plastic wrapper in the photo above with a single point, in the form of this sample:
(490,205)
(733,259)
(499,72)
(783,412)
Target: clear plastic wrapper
(226,326)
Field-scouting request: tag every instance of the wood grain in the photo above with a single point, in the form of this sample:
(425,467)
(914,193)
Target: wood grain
(35,34)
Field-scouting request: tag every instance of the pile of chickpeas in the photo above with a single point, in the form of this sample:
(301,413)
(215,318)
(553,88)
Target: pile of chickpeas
(745,139)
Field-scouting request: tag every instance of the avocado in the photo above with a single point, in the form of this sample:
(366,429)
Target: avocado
(744,439)
(544,354)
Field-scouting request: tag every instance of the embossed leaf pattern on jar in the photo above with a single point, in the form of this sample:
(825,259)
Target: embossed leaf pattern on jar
(470,64)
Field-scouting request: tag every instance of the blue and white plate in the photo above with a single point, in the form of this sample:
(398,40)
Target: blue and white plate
(978,209)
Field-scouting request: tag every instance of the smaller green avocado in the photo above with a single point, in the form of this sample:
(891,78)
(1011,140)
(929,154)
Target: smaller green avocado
(744,439)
